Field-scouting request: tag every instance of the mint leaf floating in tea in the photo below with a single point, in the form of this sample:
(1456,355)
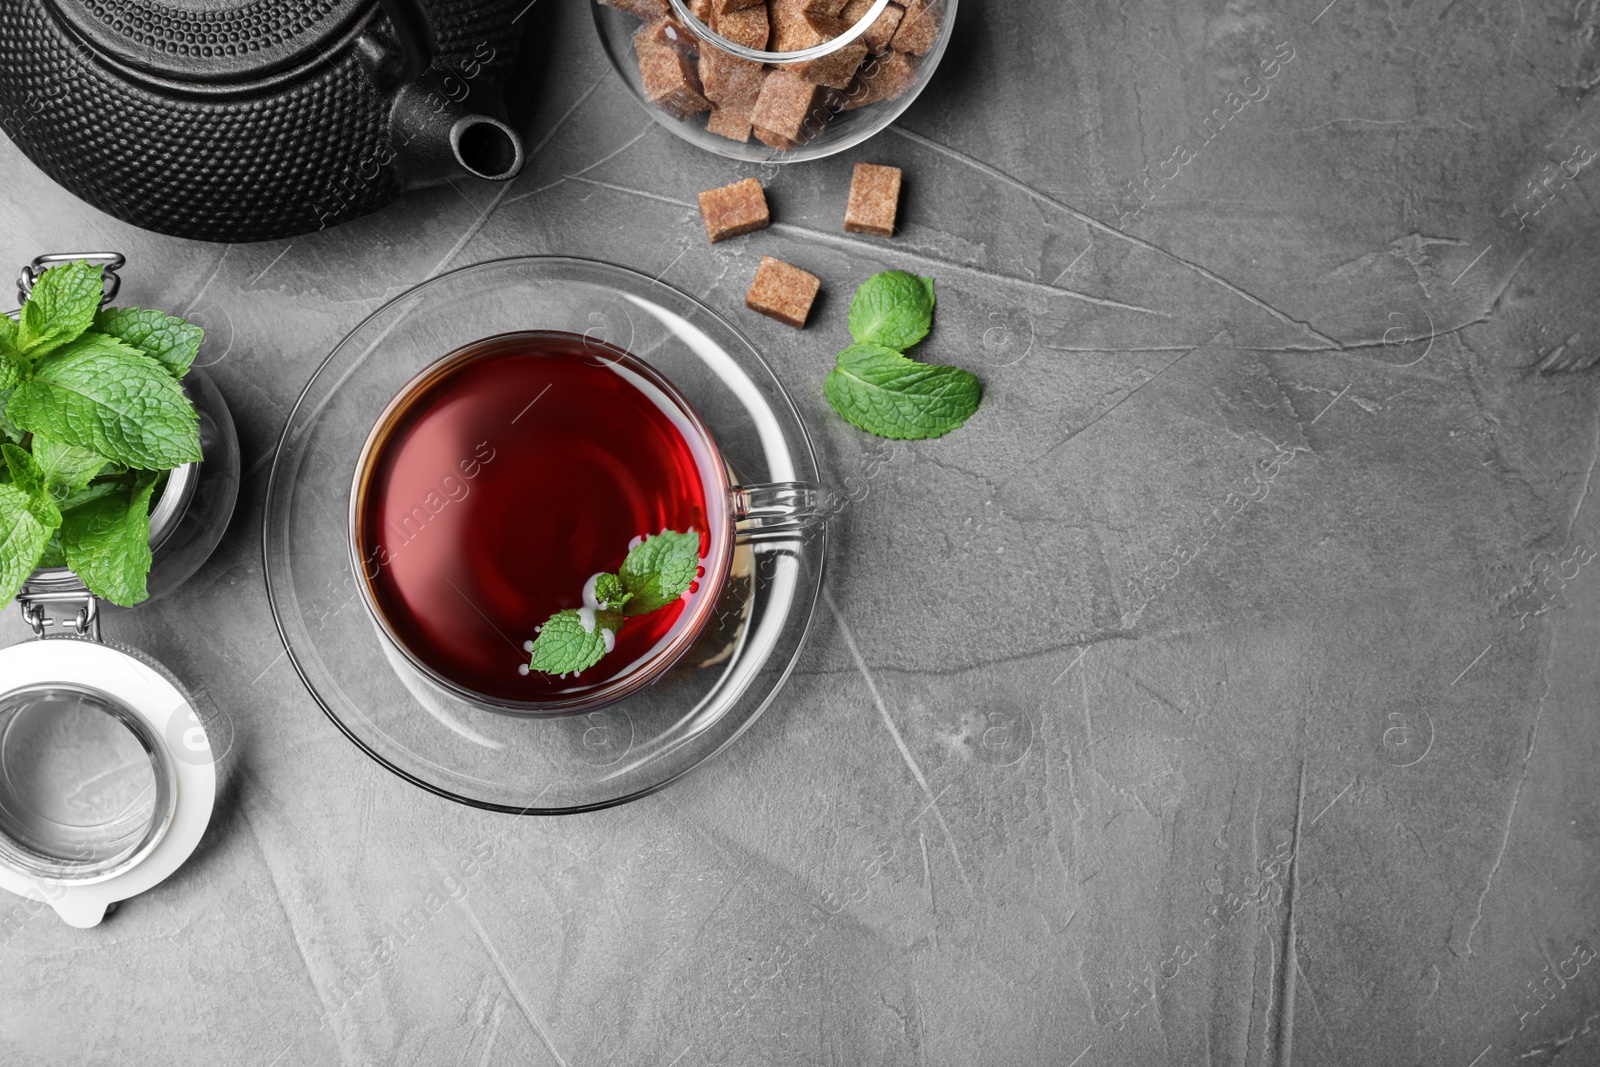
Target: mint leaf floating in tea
(575,640)
(894,310)
(657,572)
(92,416)
(606,592)
(876,388)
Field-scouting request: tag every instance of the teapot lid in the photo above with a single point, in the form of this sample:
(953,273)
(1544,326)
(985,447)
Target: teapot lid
(211,40)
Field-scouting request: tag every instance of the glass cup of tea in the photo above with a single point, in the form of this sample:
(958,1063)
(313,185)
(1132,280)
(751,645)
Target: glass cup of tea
(502,478)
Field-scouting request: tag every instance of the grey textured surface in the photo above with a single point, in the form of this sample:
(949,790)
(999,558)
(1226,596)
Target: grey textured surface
(1011,779)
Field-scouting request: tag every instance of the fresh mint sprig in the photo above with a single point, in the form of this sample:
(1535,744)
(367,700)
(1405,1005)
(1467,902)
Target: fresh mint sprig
(104,395)
(875,387)
(657,572)
(92,416)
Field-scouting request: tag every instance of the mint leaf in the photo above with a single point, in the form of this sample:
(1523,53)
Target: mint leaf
(27,476)
(170,341)
(609,594)
(53,556)
(656,573)
(884,393)
(98,393)
(659,570)
(88,494)
(8,429)
(894,310)
(13,364)
(107,542)
(61,307)
(66,468)
(574,641)
(22,539)
(24,470)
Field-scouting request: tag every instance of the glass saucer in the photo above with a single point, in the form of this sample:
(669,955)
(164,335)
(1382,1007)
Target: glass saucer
(489,759)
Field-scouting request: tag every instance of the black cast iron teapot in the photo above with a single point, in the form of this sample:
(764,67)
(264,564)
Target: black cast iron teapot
(241,120)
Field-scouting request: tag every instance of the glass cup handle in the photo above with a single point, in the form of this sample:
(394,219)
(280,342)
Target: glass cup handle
(780,511)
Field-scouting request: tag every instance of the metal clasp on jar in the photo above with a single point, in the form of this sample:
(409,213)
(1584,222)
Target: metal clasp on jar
(82,615)
(110,263)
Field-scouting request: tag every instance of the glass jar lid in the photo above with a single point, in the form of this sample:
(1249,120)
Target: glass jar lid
(107,774)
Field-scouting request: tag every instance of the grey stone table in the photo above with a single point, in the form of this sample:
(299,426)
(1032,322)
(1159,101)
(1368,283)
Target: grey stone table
(1225,692)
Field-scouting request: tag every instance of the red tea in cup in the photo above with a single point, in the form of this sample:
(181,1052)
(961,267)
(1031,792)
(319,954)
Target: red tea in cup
(504,477)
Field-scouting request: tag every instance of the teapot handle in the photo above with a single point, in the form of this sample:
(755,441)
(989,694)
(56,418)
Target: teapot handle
(418,45)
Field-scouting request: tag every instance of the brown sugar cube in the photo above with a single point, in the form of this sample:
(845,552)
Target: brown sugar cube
(726,122)
(670,82)
(834,71)
(793,29)
(919,29)
(791,11)
(874,200)
(726,7)
(817,14)
(783,292)
(885,77)
(663,33)
(702,10)
(735,210)
(773,140)
(828,9)
(729,81)
(882,31)
(787,105)
(644,9)
(749,26)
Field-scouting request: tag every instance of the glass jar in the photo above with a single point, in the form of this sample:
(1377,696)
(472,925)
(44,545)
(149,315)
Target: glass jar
(766,87)
(107,764)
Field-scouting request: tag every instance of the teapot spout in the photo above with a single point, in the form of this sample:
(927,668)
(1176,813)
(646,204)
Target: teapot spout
(436,140)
